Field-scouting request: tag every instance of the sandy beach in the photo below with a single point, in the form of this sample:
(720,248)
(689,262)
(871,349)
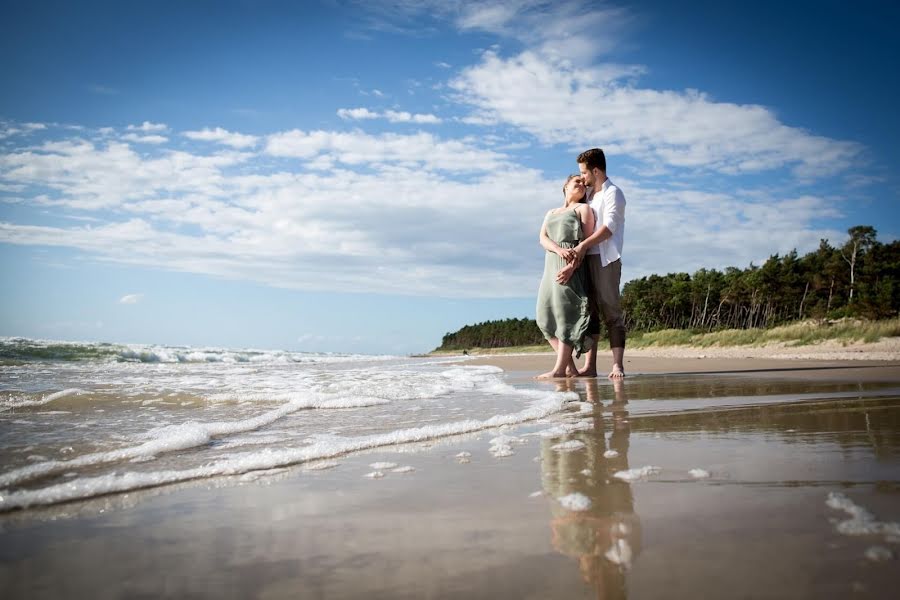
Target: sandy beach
(867,361)
(695,477)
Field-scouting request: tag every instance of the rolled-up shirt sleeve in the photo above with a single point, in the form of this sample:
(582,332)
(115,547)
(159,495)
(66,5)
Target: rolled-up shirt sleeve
(614,209)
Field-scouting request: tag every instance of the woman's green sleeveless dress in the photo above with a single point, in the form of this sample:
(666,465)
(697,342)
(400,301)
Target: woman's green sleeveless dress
(562,309)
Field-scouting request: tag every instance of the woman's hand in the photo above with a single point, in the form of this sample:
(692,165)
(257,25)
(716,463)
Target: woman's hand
(565,274)
(564,253)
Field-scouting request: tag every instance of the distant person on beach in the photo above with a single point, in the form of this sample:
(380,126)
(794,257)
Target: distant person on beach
(603,249)
(563,312)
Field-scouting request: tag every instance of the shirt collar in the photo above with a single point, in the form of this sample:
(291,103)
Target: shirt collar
(595,191)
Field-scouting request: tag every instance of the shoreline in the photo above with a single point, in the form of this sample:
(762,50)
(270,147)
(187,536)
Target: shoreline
(877,361)
(884,350)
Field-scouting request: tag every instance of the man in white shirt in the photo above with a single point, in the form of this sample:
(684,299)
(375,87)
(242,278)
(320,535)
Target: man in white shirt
(603,250)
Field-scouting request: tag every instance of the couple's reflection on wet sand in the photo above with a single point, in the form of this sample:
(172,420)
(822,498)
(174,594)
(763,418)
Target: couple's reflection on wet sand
(606,537)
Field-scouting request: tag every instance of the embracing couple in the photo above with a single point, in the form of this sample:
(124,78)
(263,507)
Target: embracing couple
(583,269)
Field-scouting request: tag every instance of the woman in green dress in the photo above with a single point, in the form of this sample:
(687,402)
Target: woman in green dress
(562,308)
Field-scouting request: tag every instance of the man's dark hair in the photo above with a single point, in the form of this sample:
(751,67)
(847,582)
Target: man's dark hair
(593,159)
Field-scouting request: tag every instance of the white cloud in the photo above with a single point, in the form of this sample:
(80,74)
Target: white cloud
(570,28)
(405,117)
(10,129)
(401,225)
(397,229)
(360,114)
(361,149)
(131,299)
(561,104)
(89,176)
(490,17)
(145,139)
(223,136)
(148,127)
(480,120)
(682,230)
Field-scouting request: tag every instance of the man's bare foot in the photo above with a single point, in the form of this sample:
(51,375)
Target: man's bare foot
(616,373)
(550,375)
(587,373)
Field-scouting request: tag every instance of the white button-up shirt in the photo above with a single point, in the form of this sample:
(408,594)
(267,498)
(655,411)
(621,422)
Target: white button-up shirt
(609,209)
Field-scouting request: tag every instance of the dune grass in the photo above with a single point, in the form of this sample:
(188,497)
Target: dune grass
(845,331)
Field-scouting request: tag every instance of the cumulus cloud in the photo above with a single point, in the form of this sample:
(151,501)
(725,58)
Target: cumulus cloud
(223,136)
(402,228)
(131,299)
(680,229)
(8,129)
(403,223)
(87,175)
(359,148)
(360,114)
(148,127)
(145,139)
(565,88)
(561,104)
(405,117)
(357,114)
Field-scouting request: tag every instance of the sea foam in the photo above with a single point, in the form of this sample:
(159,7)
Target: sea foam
(861,521)
(575,501)
(176,437)
(25,400)
(194,434)
(636,474)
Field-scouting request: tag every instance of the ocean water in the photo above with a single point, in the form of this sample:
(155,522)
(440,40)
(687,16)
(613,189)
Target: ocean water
(82,420)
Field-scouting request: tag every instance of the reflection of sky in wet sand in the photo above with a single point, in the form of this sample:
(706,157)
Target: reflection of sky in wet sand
(759,526)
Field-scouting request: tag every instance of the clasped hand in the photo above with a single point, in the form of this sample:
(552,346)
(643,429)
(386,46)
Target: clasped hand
(573,258)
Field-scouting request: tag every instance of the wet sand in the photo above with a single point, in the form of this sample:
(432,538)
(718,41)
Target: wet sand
(643,364)
(551,520)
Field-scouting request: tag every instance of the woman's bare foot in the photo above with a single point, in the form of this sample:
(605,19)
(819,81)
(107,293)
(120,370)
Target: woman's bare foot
(616,373)
(587,373)
(550,375)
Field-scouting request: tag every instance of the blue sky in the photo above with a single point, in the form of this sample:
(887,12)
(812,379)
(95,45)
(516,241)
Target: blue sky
(367,176)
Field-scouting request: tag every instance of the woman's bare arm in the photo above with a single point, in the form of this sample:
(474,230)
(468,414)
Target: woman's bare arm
(548,244)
